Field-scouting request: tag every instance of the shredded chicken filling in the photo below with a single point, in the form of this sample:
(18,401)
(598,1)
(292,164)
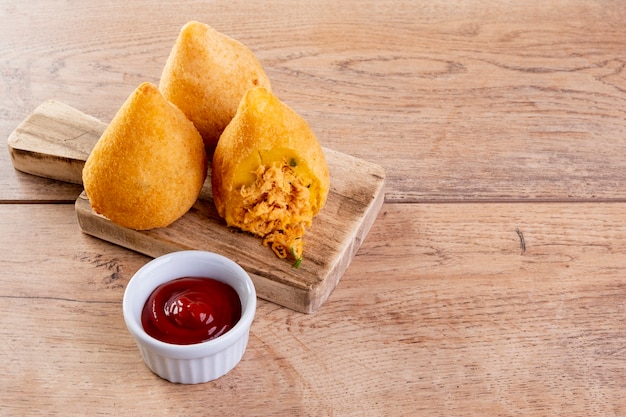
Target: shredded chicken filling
(277,208)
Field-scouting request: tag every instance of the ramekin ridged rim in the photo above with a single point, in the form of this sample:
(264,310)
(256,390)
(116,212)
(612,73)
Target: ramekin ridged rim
(176,265)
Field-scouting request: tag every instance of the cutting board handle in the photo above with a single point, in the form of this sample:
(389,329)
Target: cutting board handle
(54,142)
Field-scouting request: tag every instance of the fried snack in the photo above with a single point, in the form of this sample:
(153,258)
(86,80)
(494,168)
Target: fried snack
(269,173)
(206,75)
(149,165)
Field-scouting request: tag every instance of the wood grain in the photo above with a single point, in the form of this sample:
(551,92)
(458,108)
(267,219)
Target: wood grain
(494,121)
(479,101)
(448,318)
(56,140)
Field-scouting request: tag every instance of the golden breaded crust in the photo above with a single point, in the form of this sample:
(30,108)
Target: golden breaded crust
(206,75)
(149,165)
(269,172)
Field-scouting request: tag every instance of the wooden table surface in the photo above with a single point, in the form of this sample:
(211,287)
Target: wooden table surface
(491,284)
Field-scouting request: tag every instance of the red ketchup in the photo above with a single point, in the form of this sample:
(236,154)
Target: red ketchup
(191,310)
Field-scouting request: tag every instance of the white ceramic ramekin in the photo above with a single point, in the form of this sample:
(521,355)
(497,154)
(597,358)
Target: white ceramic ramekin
(200,362)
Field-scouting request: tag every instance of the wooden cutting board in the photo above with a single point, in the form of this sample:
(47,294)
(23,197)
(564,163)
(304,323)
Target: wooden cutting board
(56,139)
